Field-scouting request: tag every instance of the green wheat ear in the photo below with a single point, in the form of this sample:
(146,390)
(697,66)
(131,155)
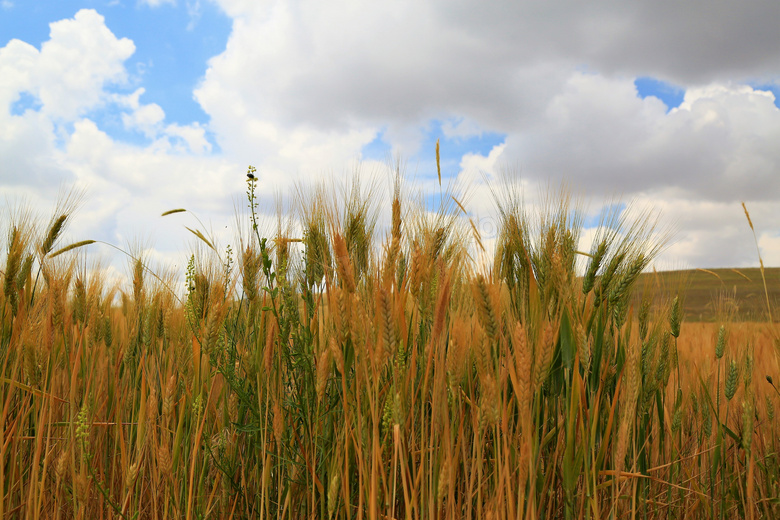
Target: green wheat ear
(71,247)
(172,211)
(731,381)
(438,161)
(53,234)
(720,346)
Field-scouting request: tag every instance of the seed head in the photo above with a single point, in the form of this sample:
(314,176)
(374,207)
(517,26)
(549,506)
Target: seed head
(720,346)
(675,318)
(731,380)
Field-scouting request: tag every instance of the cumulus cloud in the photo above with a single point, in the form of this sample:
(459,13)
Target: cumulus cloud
(149,119)
(66,78)
(146,119)
(69,74)
(193,136)
(17,62)
(81,57)
(337,67)
(717,145)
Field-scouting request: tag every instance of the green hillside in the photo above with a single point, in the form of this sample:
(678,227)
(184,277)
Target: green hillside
(708,293)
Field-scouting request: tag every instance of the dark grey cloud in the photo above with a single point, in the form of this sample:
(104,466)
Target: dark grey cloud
(687,43)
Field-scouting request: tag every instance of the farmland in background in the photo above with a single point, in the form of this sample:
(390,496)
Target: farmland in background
(714,294)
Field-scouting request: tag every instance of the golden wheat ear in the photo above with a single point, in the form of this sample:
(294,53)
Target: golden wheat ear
(760,262)
(201,236)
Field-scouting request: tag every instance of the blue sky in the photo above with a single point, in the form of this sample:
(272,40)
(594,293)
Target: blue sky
(671,95)
(172,45)
(154,103)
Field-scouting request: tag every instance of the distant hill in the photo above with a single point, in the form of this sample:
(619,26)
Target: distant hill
(713,294)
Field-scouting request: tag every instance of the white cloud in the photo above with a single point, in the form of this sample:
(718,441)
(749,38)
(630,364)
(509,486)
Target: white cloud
(719,144)
(769,245)
(27,146)
(193,135)
(66,77)
(149,120)
(473,165)
(338,67)
(81,57)
(17,63)
(145,118)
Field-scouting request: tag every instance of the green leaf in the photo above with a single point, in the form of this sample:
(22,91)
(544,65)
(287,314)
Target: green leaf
(568,343)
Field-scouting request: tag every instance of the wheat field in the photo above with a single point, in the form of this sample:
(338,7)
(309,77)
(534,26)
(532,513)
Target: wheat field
(353,372)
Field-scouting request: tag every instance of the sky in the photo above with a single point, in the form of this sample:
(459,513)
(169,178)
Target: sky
(151,105)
